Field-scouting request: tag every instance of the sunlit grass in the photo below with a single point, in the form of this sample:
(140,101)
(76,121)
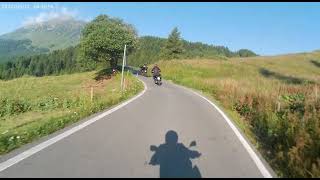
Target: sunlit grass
(275,101)
(32,107)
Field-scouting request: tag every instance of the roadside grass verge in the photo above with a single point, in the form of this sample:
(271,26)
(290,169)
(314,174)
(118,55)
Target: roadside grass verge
(278,109)
(31,107)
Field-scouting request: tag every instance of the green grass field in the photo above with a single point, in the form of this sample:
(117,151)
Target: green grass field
(32,107)
(274,100)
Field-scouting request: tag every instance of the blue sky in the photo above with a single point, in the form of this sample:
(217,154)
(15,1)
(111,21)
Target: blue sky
(266,28)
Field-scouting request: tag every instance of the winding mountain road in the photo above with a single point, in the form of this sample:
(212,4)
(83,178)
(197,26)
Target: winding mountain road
(116,142)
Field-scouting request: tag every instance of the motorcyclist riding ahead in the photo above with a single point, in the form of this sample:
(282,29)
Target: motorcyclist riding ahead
(144,69)
(156,73)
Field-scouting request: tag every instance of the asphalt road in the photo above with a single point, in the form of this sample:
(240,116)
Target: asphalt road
(118,145)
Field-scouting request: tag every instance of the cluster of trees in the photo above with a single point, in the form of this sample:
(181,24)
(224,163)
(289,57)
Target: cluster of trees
(245,53)
(151,49)
(147,51)
(102,41)
(57,62)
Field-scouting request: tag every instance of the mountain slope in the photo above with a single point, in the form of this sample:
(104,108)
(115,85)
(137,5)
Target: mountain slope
(53,34)
(9,48)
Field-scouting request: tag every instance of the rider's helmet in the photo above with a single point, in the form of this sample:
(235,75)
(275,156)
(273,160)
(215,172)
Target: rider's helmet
(171,138)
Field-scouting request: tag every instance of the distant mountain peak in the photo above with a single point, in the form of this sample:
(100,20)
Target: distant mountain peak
(56,33)
(54,22)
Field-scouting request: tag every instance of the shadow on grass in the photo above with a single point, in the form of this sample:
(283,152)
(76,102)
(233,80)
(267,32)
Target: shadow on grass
(133,70)
(103,74)
(286,79)
(316,63)
(107,72)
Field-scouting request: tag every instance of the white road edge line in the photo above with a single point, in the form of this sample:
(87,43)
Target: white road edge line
(16,159)
(264,171)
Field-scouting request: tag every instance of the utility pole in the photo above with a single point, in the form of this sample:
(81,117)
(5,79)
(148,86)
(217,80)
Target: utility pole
(123,61)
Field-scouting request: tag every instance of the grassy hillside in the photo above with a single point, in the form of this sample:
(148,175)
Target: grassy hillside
(274,100)
(10,48)
(47,36)
(33,107)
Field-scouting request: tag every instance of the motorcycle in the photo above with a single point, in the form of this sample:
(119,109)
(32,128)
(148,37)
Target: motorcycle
(114,71)
(143,72)
(178,167)
(157,80)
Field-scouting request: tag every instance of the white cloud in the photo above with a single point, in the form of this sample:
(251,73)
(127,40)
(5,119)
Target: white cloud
(88,19)
(62,13)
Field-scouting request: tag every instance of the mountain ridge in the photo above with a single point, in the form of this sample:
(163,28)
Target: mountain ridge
(53,34)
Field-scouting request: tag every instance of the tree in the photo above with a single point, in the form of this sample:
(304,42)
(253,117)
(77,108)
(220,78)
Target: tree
(174,45)
(246,53)
(104,38)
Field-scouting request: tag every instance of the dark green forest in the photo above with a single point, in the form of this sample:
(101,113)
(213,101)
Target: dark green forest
(149,51)
(57,62)
(69,60)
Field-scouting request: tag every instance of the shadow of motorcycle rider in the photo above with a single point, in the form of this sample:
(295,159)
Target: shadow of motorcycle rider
(174,158)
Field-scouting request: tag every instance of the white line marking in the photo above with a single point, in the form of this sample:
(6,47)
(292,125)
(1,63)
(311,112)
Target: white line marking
(264,171)
(16,159)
